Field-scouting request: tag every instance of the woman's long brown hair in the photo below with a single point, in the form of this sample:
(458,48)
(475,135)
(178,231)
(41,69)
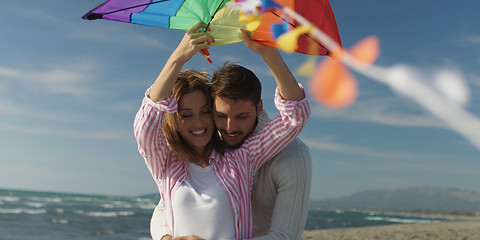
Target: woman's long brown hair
(187,82)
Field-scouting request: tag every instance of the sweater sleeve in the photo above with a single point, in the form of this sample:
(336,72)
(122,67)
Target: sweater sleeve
(279,132)
(152,144)
(158,223)
(288,178)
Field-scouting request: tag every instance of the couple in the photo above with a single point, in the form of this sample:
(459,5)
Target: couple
(205,187)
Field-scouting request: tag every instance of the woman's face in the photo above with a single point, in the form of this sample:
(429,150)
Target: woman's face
(196,121)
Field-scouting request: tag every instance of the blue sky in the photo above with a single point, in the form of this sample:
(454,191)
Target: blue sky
(69,90)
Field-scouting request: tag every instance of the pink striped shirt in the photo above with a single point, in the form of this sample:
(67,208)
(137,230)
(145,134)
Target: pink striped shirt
(235,169)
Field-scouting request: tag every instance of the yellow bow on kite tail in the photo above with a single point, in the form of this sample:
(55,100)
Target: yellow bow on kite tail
(288,41)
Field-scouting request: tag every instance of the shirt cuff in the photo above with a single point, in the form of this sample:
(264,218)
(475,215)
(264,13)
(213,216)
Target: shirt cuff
(288,105)
(167,105)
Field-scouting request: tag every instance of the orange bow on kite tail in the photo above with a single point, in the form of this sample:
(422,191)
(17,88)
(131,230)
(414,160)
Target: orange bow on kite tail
(295,26)
(333,84)
(315,32)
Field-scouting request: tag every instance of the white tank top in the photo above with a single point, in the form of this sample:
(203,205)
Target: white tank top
(202,207)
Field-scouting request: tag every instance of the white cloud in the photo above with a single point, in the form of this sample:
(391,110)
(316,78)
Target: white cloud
(474,82)
(35,14)
(118,135)
(58,80)
(472,39)
(71,79)
(381,111)
(24,111)
(123,34)
(327,144)
(127,107)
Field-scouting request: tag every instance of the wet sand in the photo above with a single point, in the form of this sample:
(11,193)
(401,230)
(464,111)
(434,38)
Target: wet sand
(462,230)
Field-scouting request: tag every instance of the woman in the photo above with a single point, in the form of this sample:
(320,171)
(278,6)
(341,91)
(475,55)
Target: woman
(205,193)
(190,130)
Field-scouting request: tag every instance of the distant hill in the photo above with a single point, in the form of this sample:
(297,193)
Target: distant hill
(412,198)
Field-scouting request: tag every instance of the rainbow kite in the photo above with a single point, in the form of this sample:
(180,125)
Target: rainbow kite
(225,23)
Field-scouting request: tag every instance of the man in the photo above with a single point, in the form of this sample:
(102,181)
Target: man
(281,190)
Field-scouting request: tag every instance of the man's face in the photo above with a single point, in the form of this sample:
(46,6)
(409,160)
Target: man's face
(235,120)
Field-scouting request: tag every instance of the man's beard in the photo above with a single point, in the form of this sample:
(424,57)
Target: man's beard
(241,142)
(226,145)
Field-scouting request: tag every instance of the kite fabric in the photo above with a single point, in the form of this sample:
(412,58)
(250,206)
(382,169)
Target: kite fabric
(224,22)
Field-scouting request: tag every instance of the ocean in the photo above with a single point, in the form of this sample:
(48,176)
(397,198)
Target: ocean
(46,215)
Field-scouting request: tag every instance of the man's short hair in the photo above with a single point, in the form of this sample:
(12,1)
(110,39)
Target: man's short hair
(234,82)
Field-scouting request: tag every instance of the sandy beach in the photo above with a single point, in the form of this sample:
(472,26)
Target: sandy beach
(462,230)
